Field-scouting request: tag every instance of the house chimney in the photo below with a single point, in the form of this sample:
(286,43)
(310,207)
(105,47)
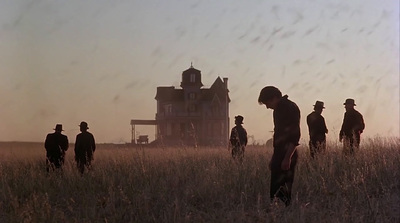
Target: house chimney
(226,82)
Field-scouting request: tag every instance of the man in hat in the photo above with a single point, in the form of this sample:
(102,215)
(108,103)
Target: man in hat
(286,138)
(238,139)
(56,145)
(84,148)
(352,127)
(317,129)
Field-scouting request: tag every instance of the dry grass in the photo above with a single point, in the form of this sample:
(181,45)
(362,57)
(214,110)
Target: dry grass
(199,185)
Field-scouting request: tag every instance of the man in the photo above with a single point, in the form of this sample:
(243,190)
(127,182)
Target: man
(238,139)
(352,127)
(56,145)
(317,129)
(84,148)
(286,138)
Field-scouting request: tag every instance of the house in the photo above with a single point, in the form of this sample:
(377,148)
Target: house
(193,115)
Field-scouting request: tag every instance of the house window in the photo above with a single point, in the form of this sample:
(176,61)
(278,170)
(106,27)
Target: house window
(168,108)
(192,78)
(169,129)
(216,129)
(192,108)
(192,96)
(216,110)
(183,130)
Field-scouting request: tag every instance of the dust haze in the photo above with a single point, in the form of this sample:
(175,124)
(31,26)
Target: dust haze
(101,62)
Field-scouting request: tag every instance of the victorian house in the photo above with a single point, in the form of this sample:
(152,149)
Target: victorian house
(193,115)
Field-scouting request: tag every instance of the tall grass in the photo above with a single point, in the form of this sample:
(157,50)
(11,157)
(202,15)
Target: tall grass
(200,185)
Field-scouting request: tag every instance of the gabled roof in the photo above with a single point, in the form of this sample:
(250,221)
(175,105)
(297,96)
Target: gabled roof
(191,69)
(217,89)
(218,84)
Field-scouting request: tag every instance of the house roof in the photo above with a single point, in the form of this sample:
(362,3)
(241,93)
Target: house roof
(191,69)
(218,88)
(172,94)
(169,94)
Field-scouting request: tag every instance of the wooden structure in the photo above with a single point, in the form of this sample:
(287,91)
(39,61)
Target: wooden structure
(135,122)
(143,139)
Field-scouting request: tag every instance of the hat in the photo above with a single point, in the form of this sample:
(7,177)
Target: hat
(319,104)
(349,101)
(58,128)
(84,125)
(239,119)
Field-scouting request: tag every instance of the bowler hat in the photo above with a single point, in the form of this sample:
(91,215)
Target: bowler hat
(319,104)
(84,125)
(349,101)
(239,119)
(58,128)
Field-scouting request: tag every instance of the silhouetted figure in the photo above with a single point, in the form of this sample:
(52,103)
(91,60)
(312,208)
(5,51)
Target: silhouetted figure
(238,139)
(317,129)
(84,148)
(56,145)
(352,127)
(285,140)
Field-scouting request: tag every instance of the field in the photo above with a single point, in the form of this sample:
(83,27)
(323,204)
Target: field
(199,185)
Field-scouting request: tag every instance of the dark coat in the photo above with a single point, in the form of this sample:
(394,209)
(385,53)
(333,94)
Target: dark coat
(286,123)
(353,124)
(286,131)
(56,145)
(84,147)
(238,136)
(316,127)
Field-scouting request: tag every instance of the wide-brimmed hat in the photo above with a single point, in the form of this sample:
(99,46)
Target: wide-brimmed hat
(239,119)
(58,128)
(349,101)
(319,104)
(84,125)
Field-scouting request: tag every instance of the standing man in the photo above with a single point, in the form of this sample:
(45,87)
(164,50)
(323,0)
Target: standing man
(285,140)
(84,148)
(238,139)
(56,145)
(352,127)
(317,129)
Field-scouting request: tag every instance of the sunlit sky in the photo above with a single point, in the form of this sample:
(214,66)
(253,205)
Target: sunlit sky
(101,61)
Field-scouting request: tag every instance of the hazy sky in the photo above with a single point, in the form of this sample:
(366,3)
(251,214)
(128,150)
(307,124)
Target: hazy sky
(101,61)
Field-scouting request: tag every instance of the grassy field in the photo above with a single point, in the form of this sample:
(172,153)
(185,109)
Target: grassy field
(199,185)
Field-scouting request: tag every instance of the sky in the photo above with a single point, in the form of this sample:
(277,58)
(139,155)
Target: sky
(101,61)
